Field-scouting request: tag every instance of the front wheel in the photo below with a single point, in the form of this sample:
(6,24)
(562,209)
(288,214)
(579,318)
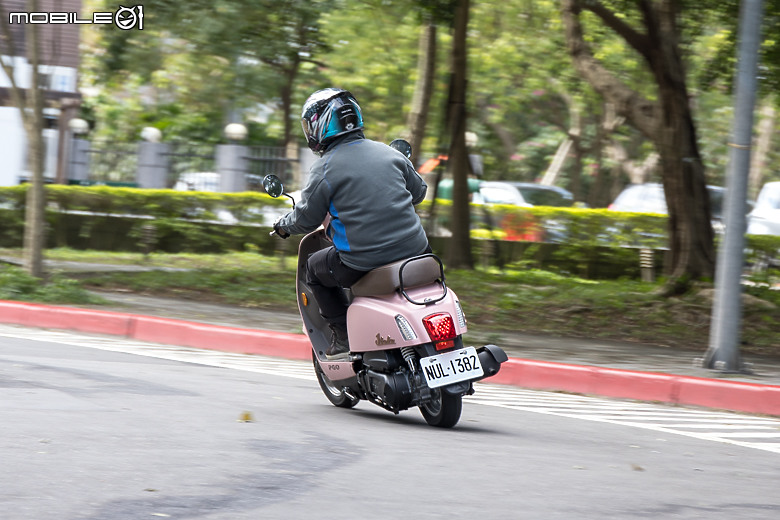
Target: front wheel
(443,410)
(335,394)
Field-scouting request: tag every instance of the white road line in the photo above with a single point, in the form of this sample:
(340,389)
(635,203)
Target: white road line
(725,427)
(674,420)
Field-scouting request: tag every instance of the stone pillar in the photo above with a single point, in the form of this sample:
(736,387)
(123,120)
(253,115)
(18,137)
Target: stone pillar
(306,159)
(153,162)
(68,110)
(78,167)
(232,165)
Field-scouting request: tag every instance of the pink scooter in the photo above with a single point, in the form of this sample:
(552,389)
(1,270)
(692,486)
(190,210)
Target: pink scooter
(405,332)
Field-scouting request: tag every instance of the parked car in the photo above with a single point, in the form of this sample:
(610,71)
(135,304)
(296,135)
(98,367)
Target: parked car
(209,181)
(197,181)
(489,193)
(493,192)
(543,195)
(445,188)
(650,198)
(765,217)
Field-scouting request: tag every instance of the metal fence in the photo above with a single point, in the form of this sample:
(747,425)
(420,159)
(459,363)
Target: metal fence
(191,166)
(113,163)
(179,165)
(265,160)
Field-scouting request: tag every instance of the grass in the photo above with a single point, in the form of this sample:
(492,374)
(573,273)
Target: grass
(519,300)
(15,284)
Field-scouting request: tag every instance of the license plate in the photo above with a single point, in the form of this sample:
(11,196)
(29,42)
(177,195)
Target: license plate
(451,367)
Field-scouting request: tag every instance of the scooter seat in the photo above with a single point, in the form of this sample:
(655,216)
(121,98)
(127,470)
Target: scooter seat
(387,279)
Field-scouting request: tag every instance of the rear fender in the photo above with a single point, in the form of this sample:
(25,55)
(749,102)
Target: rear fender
(372,324)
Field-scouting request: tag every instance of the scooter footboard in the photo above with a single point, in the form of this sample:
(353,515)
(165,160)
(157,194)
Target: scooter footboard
(336,370)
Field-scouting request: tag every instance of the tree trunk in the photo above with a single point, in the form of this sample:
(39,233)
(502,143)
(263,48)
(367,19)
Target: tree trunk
(668,123)
(34,228)
(691,247)
(758,162)
(600,194)
(460,246)
(504,135)
(288,141)
(423,90)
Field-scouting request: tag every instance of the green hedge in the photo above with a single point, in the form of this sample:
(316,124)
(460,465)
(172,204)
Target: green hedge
(589,242)
(110,218)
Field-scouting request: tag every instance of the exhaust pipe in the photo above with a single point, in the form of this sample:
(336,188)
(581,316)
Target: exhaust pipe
(491,357)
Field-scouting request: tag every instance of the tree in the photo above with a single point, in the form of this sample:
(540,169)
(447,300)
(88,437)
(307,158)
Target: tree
(459,255)
(423,90)
(30,104)
(666,120)
(226,56)
(432,14)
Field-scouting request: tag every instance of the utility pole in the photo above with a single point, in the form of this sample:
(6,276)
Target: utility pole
(723,351)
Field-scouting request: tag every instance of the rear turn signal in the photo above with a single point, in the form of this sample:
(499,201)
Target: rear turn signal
(441,329)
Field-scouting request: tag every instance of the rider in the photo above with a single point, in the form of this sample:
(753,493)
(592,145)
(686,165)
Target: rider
(368,189)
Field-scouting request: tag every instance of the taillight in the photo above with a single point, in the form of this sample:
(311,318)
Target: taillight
(441,329)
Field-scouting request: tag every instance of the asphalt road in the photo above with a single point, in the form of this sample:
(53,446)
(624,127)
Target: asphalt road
(98,428)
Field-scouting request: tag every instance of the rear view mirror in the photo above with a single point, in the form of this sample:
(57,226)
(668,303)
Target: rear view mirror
(402,146)
(273,186)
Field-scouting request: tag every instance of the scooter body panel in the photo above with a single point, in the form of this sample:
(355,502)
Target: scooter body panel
(372,320)
(314,326)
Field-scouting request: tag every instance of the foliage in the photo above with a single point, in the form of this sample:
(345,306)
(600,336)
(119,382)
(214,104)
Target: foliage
(102,217)
(517,298)
(170,204)
(190,69)
(16,284)
(721,33)
(194,69)
(111,218)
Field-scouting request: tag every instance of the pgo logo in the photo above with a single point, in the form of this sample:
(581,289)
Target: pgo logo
(128,17)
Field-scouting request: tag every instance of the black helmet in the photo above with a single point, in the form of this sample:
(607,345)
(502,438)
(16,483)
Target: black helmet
(327,114)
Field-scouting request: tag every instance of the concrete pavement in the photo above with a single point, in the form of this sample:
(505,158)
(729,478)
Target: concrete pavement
(605,368)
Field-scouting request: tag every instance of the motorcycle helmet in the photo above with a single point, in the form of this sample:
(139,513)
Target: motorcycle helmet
(328,114)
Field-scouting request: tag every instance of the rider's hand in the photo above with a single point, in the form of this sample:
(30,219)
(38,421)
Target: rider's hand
(279,231)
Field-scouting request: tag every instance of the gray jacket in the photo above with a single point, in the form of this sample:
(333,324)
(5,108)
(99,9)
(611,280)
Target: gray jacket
(370,191)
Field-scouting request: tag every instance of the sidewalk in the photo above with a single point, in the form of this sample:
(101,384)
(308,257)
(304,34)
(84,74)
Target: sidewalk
(593,367)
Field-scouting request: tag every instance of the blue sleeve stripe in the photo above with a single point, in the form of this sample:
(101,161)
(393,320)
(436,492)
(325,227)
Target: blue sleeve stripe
(339,232)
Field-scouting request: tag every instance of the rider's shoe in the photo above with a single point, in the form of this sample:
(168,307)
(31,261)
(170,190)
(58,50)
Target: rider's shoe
(339,344)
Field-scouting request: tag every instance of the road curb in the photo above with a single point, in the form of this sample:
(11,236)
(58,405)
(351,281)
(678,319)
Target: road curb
(526,373)
(644,386)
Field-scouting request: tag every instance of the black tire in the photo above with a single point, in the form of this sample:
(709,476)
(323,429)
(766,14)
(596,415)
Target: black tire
(444,410)
(335,394)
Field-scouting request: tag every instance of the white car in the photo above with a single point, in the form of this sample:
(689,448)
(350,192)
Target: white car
(650,198)
(197,181)
(765,217)
(493,192)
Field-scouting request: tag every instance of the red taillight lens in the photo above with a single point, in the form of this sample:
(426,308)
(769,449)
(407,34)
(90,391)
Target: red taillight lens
(440,326)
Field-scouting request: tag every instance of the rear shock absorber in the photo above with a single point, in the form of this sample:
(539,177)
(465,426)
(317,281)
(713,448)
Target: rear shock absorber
(409,356)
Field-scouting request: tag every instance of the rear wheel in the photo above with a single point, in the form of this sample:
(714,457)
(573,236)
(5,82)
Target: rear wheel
(334,393)
(443,410)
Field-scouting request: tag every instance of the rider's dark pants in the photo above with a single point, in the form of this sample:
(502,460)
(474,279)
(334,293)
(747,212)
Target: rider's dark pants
(327,275)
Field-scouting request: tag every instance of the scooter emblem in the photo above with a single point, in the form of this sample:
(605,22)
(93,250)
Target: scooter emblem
(384,341)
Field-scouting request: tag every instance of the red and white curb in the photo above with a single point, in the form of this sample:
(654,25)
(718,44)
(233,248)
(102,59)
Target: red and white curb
(525,373)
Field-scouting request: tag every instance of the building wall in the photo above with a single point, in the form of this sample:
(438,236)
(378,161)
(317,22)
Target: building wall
(59,65)
(12,146)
